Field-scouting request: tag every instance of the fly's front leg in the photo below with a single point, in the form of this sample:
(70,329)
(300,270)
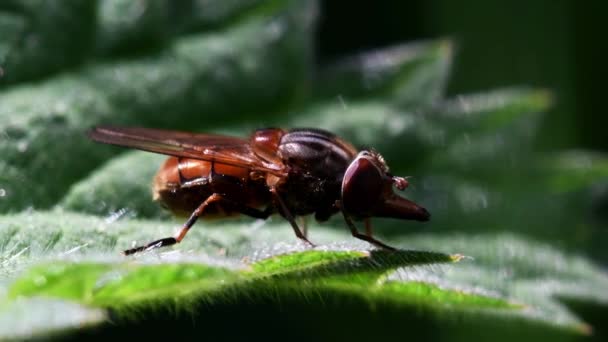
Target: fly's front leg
(368,236)
(304,226)
(215,198)
(369,231)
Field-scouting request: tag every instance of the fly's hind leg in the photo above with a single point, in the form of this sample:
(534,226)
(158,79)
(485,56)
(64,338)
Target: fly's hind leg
(215,198)
(289,216)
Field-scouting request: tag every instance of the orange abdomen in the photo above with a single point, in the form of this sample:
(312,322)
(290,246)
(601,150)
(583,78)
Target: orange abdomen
(182,184)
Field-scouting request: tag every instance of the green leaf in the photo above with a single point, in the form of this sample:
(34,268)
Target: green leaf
(122,186)
(196,16)
(121,284)
(488,132)
(502,279)
(475,114)
(319,264)
(35,47)
(134,28)
(572,170)
(132,25)
(410,75)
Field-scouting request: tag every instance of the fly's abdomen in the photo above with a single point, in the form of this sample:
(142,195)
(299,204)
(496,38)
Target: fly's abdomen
(182,184)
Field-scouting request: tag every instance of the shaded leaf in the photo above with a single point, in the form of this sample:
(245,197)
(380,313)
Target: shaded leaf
(410,75)
(133,26)
(35,47)
(105,193)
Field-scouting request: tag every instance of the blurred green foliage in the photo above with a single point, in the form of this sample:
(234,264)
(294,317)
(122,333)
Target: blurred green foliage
(546,43)
(233,66)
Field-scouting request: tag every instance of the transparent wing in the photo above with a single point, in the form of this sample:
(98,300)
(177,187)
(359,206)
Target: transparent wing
(210,147)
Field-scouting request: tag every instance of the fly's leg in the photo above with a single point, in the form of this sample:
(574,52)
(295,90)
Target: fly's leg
(369,231)
(368,236)
(215,198)
(287,214)
(304,226)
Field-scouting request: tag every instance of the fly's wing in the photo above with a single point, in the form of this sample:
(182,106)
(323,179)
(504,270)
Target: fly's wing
(210,147)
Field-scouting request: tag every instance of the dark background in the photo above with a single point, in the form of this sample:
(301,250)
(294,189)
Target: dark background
(550,44)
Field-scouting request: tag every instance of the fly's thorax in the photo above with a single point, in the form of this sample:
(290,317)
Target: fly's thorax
(265,143)
(316,152)
(316,161)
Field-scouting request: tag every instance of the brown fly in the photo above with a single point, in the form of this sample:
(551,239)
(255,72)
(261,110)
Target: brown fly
(294,173)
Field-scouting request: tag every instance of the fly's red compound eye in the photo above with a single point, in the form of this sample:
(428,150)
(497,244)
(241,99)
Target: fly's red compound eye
(362,186)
